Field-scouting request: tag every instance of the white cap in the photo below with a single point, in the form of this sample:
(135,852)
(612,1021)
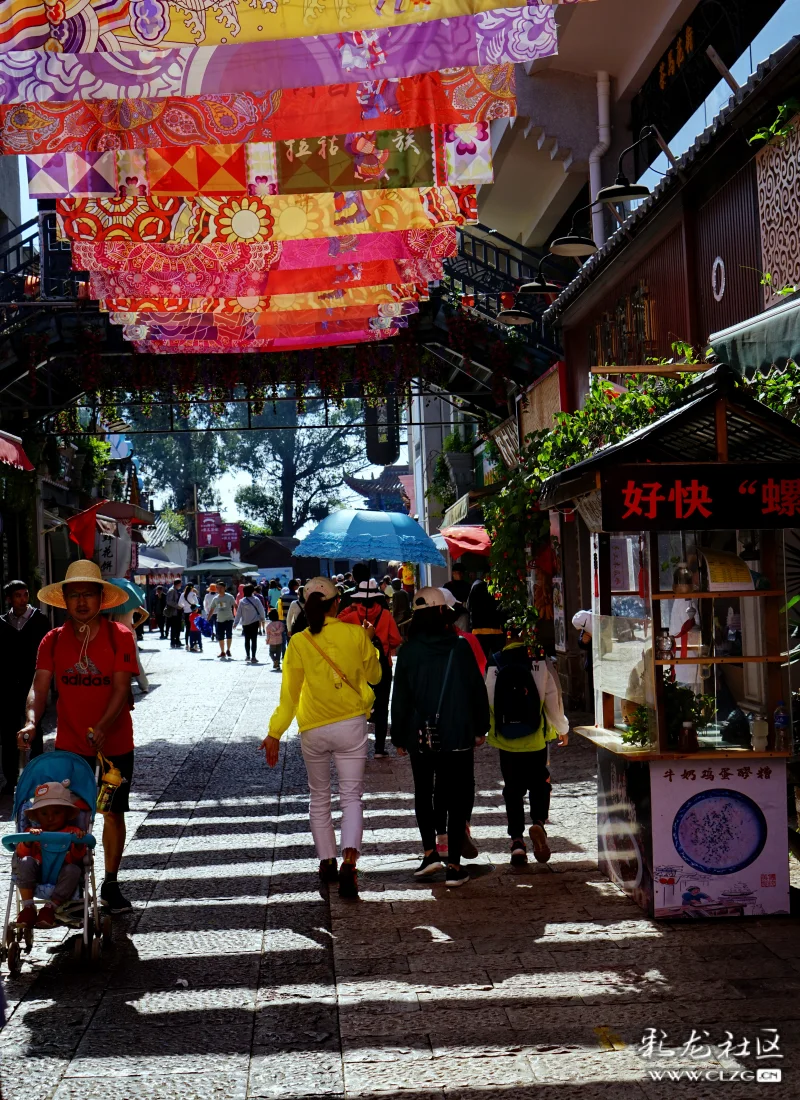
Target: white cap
(365,589)
(429,597)
(582,620)
(449,598)
(324,585)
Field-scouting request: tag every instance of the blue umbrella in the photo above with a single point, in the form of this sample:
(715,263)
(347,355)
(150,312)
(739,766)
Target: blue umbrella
(385,536)
(136,597)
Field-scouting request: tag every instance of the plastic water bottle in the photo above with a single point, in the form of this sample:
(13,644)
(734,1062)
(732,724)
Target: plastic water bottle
(783,728)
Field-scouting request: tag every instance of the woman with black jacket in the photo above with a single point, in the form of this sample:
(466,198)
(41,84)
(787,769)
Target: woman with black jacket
(440,712)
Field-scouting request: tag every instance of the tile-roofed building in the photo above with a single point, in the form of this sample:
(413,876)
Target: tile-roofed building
(384,493)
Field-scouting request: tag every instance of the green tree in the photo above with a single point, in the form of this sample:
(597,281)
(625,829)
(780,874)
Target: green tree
(175,462)
(297,462)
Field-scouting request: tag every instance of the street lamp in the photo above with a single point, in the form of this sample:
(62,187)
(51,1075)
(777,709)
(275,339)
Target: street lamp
(622,190)
(540,285)
(574,244)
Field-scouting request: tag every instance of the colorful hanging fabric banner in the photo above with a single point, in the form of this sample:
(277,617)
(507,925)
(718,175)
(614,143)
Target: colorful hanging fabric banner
(385,311)
(247,330)
(454,96)
(385,159)
(223,284)
(501,36)
(253,220)
(163,260)
(288,303)
(89,25)
(211,347)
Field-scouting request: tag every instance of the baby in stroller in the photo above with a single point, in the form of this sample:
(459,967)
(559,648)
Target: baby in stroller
(53,810)
(53,858)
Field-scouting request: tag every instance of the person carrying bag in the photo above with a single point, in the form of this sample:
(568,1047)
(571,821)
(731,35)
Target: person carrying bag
(440,712)
(327,674)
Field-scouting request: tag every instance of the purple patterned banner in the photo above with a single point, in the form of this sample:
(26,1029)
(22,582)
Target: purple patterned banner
(490,38)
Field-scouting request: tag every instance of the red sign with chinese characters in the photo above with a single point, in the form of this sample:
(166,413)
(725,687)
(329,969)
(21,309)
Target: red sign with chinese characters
(209,527)
(701,496)
(230,538)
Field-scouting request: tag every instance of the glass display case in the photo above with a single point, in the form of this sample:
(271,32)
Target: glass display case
(689,628)
(690,655)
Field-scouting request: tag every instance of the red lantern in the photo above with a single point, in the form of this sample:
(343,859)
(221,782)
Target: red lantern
(508,300)
(468,301)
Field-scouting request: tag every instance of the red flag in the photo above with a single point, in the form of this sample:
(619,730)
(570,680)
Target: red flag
(82,528)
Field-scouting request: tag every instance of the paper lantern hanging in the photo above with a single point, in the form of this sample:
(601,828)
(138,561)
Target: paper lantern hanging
(508,300)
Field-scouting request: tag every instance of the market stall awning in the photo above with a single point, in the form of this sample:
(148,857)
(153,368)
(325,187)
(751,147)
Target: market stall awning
(221,567)
(149,564)
(688,433)
(467,540)
(771,338)
(12,454)
(133,513)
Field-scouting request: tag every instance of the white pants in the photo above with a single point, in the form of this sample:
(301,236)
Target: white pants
(346,743)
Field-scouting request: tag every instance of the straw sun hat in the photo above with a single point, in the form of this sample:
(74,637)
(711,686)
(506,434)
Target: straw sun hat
(83,572)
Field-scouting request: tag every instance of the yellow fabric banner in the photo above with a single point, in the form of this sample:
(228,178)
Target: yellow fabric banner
(130,24)
(206,219)
(278,303)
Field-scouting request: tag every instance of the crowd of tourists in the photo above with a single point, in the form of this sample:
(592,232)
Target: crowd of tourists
(462,677)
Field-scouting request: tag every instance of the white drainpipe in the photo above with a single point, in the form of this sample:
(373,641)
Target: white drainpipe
(599,151)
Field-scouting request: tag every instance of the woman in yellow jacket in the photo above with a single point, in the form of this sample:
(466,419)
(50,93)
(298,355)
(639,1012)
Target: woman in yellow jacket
(326,676)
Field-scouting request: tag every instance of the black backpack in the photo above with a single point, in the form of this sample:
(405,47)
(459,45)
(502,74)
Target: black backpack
(517,706)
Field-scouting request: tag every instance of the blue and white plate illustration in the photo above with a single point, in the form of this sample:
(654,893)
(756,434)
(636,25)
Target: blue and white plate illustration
(719,832)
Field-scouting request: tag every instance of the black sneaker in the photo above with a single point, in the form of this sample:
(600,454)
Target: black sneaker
(113,898)
(468,849)
(519,853)
(329,870)
(429,866)
(348,881)
(456,876)
(541,849)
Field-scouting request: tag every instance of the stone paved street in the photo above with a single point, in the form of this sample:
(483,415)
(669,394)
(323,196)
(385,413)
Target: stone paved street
(237,978)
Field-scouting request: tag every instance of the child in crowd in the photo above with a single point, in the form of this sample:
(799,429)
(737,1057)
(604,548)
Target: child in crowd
(526,713)
(276,634)
(195,637)
(54,807)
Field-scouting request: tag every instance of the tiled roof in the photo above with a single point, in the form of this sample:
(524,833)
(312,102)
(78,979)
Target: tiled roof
(161,533)
(690,163)
(385,482)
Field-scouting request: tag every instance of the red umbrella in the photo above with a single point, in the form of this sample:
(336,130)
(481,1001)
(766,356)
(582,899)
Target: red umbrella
(467,540)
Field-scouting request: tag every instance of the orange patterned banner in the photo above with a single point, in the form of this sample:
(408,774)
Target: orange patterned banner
(454,96)
(336,299)
(253,220)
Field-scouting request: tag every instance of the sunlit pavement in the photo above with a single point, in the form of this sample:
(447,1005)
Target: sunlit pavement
(236,978)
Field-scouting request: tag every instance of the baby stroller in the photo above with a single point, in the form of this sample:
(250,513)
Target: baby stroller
(83,910)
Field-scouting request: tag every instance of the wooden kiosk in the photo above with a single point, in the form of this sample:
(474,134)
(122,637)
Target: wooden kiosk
(687,518)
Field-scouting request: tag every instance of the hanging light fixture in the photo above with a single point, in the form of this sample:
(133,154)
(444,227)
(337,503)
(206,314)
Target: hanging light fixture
(509,313)
(622,190)
(574,244)
(540,285)
(512,314)
(515,317)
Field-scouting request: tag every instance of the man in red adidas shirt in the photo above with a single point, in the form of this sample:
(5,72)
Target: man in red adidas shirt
(90,661)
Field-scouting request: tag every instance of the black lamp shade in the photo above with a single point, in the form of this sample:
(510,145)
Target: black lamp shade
(573,245)
(516,317)
(540,286)
(622,191)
